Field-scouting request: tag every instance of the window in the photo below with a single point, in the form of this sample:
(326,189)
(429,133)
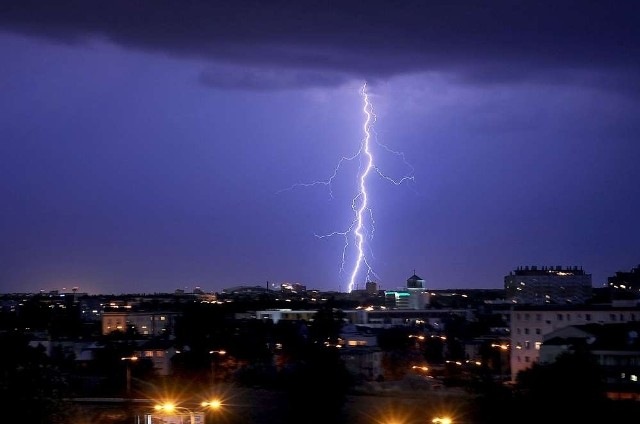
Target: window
(538,317)
(526,359)
(559,317)
(537,345)
(538,331)
(526,331)
(518,330)
(527,345)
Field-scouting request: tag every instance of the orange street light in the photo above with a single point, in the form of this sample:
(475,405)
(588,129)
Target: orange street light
(170,409)
(212,404)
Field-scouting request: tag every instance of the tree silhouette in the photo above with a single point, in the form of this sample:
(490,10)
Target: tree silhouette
(572,387)
(31,386)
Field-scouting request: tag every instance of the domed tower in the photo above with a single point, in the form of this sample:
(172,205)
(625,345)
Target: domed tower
(418,295)
(415,282)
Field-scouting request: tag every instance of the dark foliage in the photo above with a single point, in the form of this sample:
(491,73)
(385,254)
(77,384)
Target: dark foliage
(317,387)
(571,388)
(32,387)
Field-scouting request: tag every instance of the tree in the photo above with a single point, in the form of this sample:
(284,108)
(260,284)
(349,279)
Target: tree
(30,384)
(572,387)
(326,382)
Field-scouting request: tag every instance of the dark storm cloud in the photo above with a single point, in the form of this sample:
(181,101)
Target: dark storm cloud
(269,79)
(479,42)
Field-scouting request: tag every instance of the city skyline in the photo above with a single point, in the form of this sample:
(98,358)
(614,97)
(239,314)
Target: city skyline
(164,146)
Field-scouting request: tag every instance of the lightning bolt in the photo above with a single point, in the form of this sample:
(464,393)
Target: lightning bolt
(360,203)
(362,226)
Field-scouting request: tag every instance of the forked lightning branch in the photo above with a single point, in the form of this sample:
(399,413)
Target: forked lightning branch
(360,230)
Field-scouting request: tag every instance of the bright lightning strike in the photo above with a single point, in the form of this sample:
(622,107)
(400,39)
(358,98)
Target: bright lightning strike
(362,197)
(362,225)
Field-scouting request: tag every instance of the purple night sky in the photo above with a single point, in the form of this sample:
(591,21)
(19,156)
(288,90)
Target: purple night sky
(150,145)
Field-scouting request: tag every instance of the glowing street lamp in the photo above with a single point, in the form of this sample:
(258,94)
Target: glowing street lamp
(442,420)
(212,404)
(171,409)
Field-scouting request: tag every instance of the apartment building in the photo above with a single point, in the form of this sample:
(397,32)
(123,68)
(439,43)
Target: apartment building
(531,323)
(144,323)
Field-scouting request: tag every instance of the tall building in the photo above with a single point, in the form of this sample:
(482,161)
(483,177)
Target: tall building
(418,295)
(548,285)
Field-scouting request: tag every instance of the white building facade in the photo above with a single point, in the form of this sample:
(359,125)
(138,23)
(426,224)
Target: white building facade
(529,325)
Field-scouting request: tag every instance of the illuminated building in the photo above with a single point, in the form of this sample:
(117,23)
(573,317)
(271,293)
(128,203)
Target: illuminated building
(414,296)
(548,285)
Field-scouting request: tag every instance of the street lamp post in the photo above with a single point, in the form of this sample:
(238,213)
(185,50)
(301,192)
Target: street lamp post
(215,354)
(128,360)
